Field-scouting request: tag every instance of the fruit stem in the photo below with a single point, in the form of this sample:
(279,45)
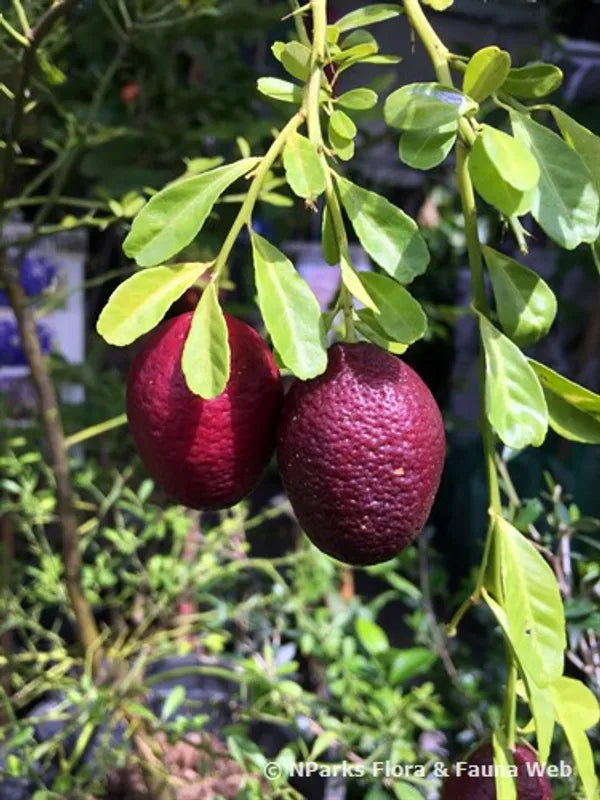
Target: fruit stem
(245,213)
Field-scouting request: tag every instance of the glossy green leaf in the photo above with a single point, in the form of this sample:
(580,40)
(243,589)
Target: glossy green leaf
(573,410)
(358,99)
(368,326)
(295,58)
(371,636)
(278,89)
(486,71)
(418,106)
(140,302)
(565,203)
(173,217)
(357,38)
(206,356)
(408,663)
(352,282)
(344,148)
(582,140)
(502,170)
(329,243)
(533,606)
(342,124)
(426,149)
(352,55)
(540,702)
(398,313)
(515,403)
(303,167)
(290,311)
(368,15)
(505,785)
(525,303)
(533,81)
(575,706)
(389,236)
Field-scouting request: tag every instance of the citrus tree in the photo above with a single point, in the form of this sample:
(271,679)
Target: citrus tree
(536,166)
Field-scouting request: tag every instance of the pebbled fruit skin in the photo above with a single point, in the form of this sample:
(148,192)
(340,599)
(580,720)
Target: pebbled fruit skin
(361,450)
(204,453)
(529,787)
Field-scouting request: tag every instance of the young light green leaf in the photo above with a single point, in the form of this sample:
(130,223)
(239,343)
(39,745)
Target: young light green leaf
(206,360)
(367,326)
(439,5)
(303,168)
(140,302)
(573,410)
(389,236)
(174,216)
(486,71)
(360,37)
(353,55)
(172,702)
(502,169)
(290,311)
(368,15)
(428,148)
(344,148)
(505,784)
(398,313)
(533,606)
(352,282)
(582,140)
(419,106)
(278,89)
(371,636)
(576,707)
(329,243)
(533,81)
(333,34)
(295,58)
(565,203)
(540,702)
(342,124)
(358,99)
(525,303)
(515,403)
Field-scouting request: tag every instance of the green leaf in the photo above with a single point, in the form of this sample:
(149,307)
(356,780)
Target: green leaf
(486,72)
(206,360)
(575,707)
(352,282)
(419,106)
(303,168)
(290,311)
(329,243)
(582,140)
(565,203)
(369,327)
(389,236)
(371,636)
(342,124)
(358,99)
(358,38)
(502,170)
(533,81)
(439,5)
(525,303)
(344,148)
(540,702)
(368,15)
(402,789)
(295,58)
(533,606)
(140,302)
(408,663)
(426,149)
(515,402)
(172,702)
(398,313)
(573,410)
(505,785)
(173,217)
(278,89)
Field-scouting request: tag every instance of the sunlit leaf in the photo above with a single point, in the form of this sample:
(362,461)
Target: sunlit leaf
(418,106)
(368,15)
(303,167)
(427,148)
(206,357)
(398,313)
(486,72)
(533,81)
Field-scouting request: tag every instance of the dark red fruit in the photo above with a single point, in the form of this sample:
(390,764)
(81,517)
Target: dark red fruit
(205,453)
(483,785)
(361,450)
